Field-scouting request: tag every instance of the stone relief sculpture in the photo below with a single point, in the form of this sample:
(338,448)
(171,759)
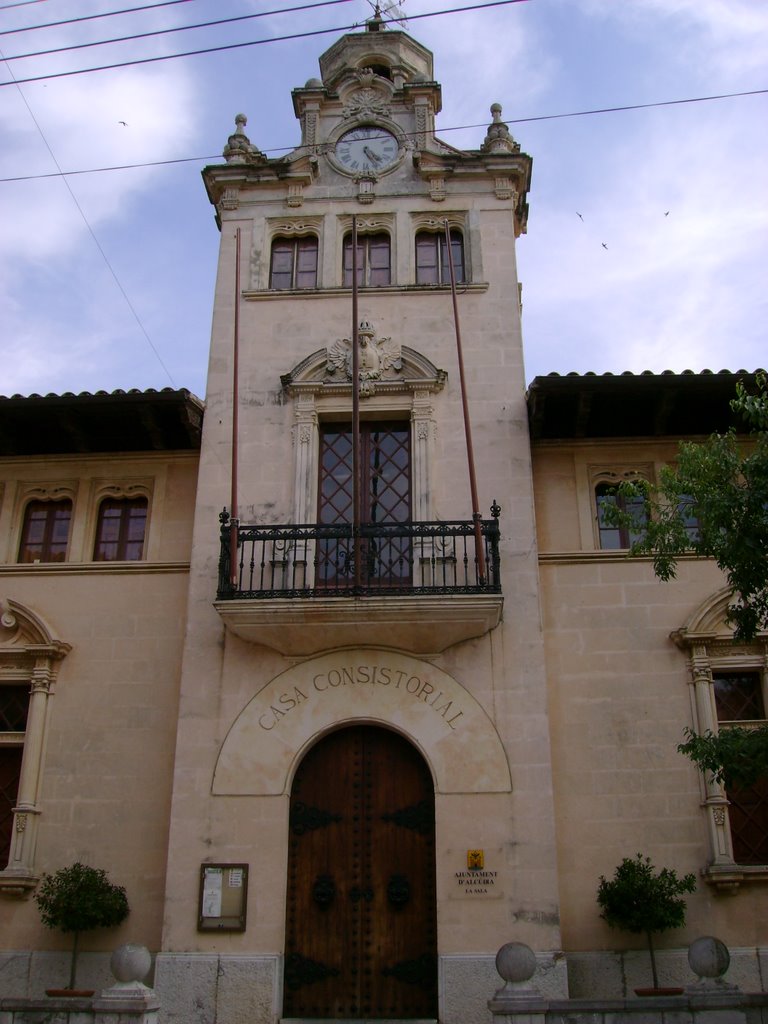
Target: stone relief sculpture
(379,359)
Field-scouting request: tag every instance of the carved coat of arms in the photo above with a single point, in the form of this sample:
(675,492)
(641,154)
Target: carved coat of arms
(378,359)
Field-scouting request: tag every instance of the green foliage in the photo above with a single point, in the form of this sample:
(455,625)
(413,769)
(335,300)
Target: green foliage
(726,488)
(77,899)
(735,757)
(638,899)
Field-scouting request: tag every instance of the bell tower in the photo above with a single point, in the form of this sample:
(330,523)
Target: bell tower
(392,634)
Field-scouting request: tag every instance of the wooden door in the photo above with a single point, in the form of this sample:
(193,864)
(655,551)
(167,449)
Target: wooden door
(361,921)
(384,500)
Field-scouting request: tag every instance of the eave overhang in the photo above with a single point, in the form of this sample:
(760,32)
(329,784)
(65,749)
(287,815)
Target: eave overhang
(118,421)
(591,406)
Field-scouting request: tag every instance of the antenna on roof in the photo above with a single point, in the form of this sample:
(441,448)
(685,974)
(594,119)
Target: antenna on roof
(389,10)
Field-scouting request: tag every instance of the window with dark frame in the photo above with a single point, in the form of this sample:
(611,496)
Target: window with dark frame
(14,707)
(432,257)
(120,530)
(385,498)
(738,700)
(374,265)
(615,538)
(45,532)
(293,263)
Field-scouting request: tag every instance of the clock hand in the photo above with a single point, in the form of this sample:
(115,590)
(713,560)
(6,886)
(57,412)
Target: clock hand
(371,155)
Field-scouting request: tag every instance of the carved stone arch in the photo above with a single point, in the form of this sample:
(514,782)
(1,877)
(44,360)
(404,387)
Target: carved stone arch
(708,619)
(29,656)
(381,687)
(25,632)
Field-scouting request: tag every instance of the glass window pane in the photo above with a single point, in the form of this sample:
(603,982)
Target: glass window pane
(120,531)
(379,260)
(281,272)
(738,696)
(610,536)
(457,251)
(46,531)
(426,258)
(14,706)
(10,774)
(306,263)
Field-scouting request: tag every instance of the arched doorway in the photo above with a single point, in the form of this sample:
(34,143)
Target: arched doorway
(361,933)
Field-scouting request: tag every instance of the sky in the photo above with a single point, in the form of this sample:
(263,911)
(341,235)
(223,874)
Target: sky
(647,242)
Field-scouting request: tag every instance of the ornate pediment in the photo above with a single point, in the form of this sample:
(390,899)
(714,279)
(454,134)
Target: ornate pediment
(385,365)
(24,635)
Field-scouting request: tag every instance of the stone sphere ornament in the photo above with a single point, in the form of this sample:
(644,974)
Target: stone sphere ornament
(130,963)
(708,957)
(516,962)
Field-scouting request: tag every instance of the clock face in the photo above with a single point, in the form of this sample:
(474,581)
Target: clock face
(366,148)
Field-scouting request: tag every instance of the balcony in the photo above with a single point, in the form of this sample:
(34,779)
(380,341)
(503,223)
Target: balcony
(309,588)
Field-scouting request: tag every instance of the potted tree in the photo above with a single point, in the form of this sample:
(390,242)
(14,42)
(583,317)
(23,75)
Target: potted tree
(641,900)
(77,899)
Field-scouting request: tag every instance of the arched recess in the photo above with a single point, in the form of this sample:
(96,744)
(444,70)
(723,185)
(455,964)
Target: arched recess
(441,718)
(29,657)
(361,916)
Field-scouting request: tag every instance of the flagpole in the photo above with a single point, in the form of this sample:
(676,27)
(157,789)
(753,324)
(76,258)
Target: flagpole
(235,410)
(355,414)
(476,519)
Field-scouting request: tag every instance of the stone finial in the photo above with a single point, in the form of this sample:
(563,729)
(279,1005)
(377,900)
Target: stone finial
(516,963)
(498,138)
(129,965)
(709,958)
(239,149)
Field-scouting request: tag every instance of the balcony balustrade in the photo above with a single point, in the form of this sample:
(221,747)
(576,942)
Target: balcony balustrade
(304,588)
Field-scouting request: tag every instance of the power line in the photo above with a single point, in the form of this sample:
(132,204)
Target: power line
(168,31)
(92,233)
(254,42)
(22,3)
(84,17)
(442,131)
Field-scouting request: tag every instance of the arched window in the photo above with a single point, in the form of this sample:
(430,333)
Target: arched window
(373,260)
(293,263)
(432,257)
(120,530)
(45,533)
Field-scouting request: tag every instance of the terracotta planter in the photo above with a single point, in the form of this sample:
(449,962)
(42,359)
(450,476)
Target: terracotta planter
(70,993)
(659,991)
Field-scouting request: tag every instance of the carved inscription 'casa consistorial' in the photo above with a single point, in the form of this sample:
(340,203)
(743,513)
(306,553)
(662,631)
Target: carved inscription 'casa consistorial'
(379,359)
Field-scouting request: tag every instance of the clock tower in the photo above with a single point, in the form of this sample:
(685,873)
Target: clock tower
(362,776)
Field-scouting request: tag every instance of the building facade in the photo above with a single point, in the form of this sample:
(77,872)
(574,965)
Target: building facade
(339,733)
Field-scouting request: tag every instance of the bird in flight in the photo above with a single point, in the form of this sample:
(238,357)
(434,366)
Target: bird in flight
(123,123)
(604,245)
(579,215)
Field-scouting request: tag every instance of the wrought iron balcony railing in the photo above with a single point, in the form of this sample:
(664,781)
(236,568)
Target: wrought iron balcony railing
(318,560)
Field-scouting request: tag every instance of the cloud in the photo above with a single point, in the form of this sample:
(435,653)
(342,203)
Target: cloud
(680,291)
(724,37)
